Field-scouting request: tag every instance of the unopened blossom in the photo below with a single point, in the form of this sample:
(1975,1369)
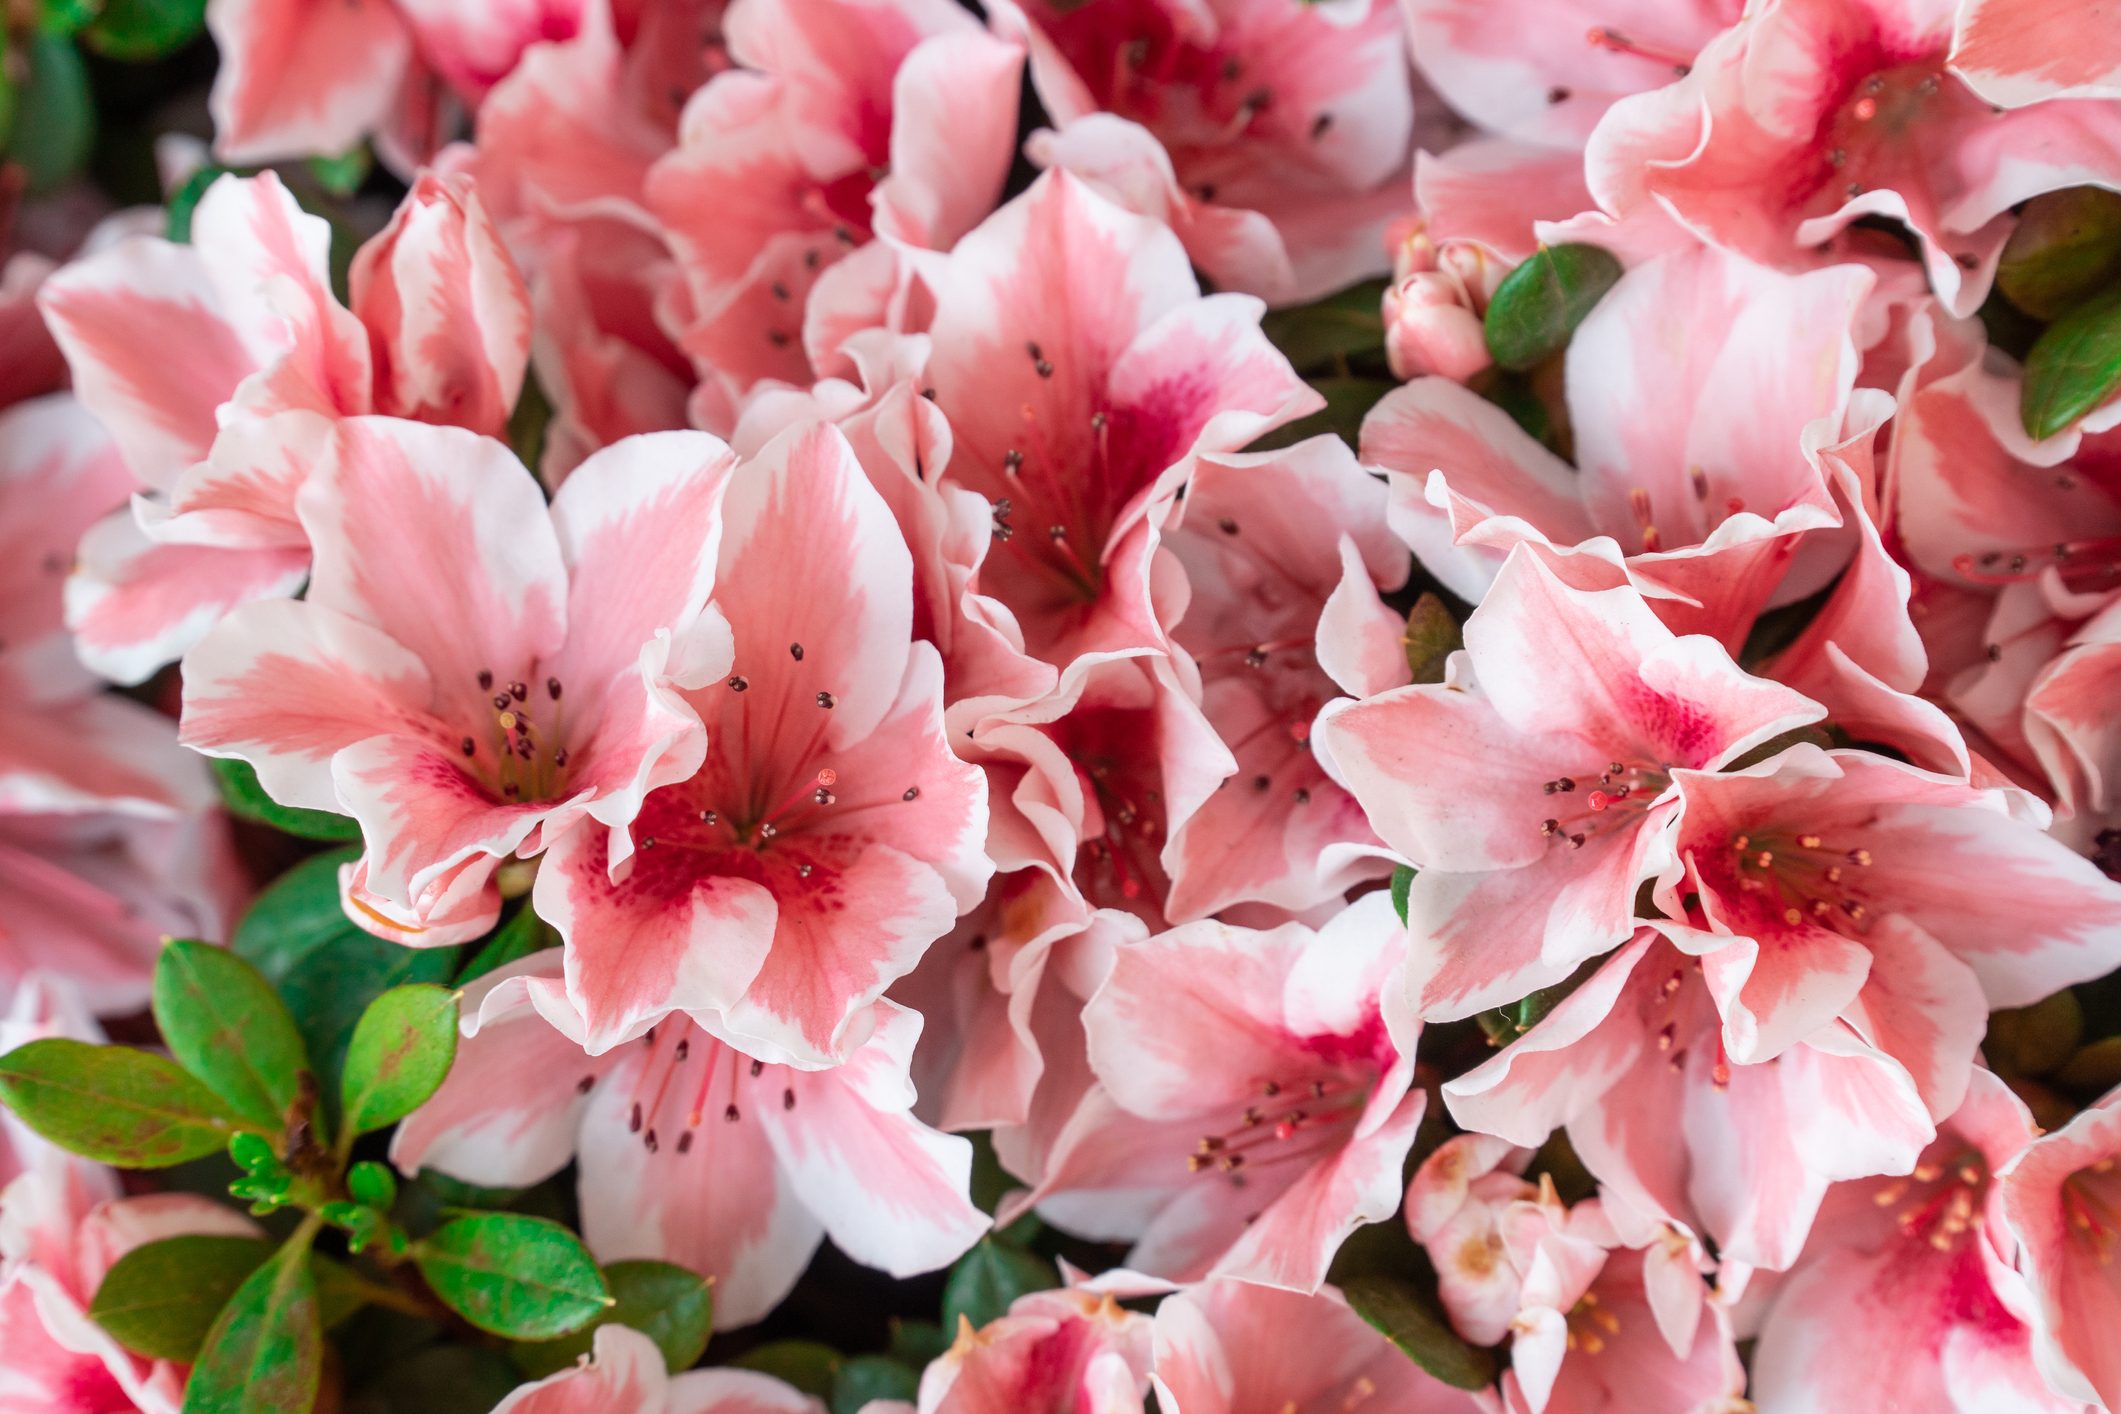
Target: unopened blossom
(1533,787)
(1253,1102)
(690,1151)
(830,835)
(1072,1351)
(624,1374)
(471,672)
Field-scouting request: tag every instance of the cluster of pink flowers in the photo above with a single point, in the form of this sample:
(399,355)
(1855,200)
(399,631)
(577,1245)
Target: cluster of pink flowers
(925,697)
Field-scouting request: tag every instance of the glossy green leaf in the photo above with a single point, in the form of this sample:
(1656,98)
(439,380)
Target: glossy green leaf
(339,1289)
(400,1052)
(1348,402)
(113,1104)
(1398,1309)
(224,1023)
(144,29)
(372,1183)
(811,1366)
(240,790)
(265,1352)
(2064,249)
(160,1299)
(1431,638)
(866,1377)
(1539,304)
(343,175)
(670,1305)
(2074,366)
(1402,887)
(522,935)
(520,1277)
(55,116)
(917,1342)
(1320,337)
(988,1278)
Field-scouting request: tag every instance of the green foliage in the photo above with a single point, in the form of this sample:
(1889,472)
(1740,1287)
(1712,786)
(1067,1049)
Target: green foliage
(401,1049)
(54,114)
(265,1352)
(1431,638)
(989,1277)
(1411,1322)
(1320,338)
(342,176)
(240,791)
(2073,366)
(1348,402)
(235,778)
(112,1104)
(671,1306)
(1539,304)
(2064,249)
(520,1277)
(811,1366)
(144,29)
(223,1022)
(160,1299)
(522,935)
(866,1377)
(1402,886)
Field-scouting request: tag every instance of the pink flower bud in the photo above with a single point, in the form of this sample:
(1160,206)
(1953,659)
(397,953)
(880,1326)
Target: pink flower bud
(1428,329)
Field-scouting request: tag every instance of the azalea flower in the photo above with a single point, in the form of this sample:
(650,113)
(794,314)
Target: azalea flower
(2060,1202)
(1253,1100)
(221,440)
(830,835)
(1073,1351)
(471,673)
(692,1152)
(2017,52)
(624,1371)
(1533,787)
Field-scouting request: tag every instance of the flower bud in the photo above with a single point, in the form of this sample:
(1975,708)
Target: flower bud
(1428,329)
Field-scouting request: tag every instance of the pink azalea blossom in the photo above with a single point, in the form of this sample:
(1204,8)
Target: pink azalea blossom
(2016,52)
(831,835)
(1712,502)
(302,78)
(1533,788)
(1229,1347)
(2060,1203)
(1546,73)
(1253,1100)
(692,1152)
(624,1374)
(1277,136)
(889,118)
(1799,863)
(1904,1288)
(1082,375)
(1056,1352)
(221,439)
(1808,115)
(1285,553)
(472,673)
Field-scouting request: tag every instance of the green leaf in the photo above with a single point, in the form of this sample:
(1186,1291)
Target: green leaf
(514,1276)
(811,1366)
(55,117)
(442,1379)
(988,1278)
(1402,886)
(671,1306)
(265,1353)
(160,1299)
(1348,402)
(1320,337)
(401,1050)
(1397,1308)
(372,1183)
(145,29)
(299,913)
(339,1292)
(2066,245)
(240,790)
(1431,638)
(867,1377)
(112,1104)
(65,16)
(522,935)
(2073,366)
(232,776)
(1539,304)
(917,1342)
(341,176)
(224,1023)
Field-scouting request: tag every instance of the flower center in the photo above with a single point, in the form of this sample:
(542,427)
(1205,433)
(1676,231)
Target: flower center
(1580,810)
(2090,1199)
(686,1066)
(1590,1325)
(2085,566)
(1290,1120)
(1804,876)
(1939,1203)
(519,748)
